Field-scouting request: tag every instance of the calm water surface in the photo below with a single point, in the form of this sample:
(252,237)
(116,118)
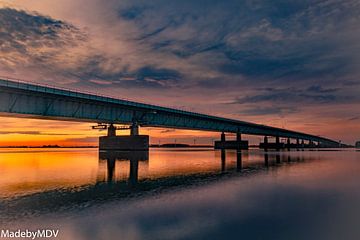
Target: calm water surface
(182,193)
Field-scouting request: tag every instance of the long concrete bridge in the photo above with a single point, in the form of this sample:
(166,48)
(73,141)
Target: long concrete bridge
(32,100)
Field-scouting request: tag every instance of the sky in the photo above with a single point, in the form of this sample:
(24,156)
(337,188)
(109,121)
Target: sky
(290,64)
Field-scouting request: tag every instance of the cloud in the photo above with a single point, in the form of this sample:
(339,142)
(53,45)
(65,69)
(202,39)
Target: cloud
(147,76)
(228,42)
(277,40)
(272,110)
(354,118)
(320,89)
(313,94)
(32,41)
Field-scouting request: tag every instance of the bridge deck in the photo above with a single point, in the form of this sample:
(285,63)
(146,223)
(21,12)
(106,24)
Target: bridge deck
(21,98)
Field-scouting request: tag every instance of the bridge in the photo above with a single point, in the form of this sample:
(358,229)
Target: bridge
(32,100)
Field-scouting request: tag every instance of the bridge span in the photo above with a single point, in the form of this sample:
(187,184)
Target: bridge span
(32,100)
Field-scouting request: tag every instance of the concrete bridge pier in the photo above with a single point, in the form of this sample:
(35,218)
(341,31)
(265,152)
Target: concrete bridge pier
(311,144)
(266,142)
(237,144)
(134,129)
(134,142)
(277,145)
(297,144)
(223,137)
(302,144)
(288,144)
(111,130)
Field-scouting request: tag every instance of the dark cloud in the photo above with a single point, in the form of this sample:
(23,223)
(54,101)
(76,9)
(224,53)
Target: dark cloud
(263,40)
(320,89)
(288,97)
(258,111)
(33,40)
(131,13)
(311,95)
(147,76)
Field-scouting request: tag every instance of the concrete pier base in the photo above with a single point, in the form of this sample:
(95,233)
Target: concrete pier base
(232,145)
(237,144)
(124,143)
(271,145)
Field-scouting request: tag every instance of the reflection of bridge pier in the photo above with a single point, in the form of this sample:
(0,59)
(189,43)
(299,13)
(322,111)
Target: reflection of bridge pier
(111,157)
(110,162)
(266,159)
(223,160)
(271,158)
(238,160)
(134,169)
(276,158)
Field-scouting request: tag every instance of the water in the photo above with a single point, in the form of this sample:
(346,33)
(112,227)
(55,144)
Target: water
(182,193)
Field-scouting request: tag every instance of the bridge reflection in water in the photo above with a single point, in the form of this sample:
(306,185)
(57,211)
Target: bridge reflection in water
(123,166)
(133,157)
(127,175)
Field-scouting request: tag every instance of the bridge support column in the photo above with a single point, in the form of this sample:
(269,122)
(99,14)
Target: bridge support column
(302,144)
(277,143)
(238,136)
(134,142)
(265,144)
(288,144)
(223,137)
(297,144)
(111,130)
(231,144)
(134,129)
